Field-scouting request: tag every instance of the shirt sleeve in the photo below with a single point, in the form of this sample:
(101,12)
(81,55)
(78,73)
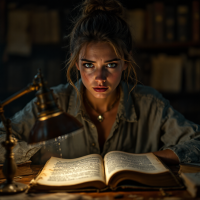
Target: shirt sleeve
(180,135)
(21,124)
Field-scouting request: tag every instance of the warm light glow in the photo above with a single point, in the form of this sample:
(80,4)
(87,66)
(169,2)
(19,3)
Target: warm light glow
(49,116)
(52,126)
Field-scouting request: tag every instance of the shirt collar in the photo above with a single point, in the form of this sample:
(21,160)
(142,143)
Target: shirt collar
(126,109)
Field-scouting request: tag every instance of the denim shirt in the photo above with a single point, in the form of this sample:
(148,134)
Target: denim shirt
(145,122)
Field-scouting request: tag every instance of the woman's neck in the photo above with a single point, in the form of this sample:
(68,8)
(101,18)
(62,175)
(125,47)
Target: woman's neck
(101,105)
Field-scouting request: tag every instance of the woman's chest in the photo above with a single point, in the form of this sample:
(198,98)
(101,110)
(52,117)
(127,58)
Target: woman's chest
(104,127)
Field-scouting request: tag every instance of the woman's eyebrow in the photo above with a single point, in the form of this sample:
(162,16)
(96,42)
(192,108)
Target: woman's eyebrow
(83,59)
(115,59)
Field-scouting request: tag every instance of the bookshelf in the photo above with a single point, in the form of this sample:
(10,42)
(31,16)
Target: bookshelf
(150,43)
(167,45)
(164,45)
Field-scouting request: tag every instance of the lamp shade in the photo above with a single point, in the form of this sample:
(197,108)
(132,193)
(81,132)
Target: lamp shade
(51,127)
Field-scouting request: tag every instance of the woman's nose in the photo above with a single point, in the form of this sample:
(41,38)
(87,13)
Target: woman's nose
(100,75)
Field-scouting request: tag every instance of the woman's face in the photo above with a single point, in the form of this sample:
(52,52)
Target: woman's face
(100,69)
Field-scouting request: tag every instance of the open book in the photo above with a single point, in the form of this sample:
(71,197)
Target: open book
(92,171)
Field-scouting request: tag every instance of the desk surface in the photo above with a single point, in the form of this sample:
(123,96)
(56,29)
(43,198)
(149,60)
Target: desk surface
(122,195)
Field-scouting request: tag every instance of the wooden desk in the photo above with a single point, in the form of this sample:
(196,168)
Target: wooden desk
(122,195)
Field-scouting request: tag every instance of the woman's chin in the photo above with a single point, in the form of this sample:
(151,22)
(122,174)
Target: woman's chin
(100,96)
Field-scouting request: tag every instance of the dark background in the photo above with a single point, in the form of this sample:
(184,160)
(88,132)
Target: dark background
(17,70)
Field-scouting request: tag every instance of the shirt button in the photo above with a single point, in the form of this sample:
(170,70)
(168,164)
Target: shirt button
(92,126)
(93,144)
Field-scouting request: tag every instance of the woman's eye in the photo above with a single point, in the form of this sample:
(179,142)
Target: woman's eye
(112,65)
(88,65)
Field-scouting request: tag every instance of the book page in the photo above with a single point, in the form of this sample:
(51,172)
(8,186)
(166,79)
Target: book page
(63,172)
(115,161)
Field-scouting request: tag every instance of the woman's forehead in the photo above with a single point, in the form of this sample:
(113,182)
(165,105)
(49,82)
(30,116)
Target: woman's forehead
(97,50)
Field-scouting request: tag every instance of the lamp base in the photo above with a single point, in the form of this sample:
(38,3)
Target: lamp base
(12,188)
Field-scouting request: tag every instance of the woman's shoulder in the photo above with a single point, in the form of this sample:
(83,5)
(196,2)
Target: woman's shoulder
(142,92)
(62,89)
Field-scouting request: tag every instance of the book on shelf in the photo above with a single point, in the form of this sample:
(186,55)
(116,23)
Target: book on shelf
(195,20)
(189,168)
(166,73)
(136,20)
(149,22)
(182,23)
(117,170)
(18,38)
(169,23)
(44,25)
(158,21)
(54,26)
(192,183)
(40,26)
(22,169)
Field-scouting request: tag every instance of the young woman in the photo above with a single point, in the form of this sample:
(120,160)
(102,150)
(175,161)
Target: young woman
(116,115)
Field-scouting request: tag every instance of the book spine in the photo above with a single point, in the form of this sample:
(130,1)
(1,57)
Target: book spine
(182,23)
(149,22)
(54,27)
(158,21)
(195,20)
(169,23)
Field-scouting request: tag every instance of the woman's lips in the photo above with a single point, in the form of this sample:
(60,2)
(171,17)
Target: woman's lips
(100,89)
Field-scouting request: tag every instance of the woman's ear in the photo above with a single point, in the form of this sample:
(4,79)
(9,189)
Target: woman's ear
(77,66)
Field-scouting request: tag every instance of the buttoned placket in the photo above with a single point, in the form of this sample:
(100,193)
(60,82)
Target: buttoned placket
(93,136)
(111,135)
(107,142)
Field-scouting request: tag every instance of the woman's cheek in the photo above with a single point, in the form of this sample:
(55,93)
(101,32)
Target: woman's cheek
(87,76)
(115,76)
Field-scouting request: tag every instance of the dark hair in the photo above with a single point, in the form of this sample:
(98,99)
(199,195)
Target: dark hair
(102,20)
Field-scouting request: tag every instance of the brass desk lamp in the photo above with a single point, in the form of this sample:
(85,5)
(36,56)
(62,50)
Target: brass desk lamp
(51,123)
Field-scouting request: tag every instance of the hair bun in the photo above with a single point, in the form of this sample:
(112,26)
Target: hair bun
(89,6)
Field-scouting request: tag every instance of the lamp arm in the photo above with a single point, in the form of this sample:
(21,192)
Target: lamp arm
(26,90)
(29,88)
(35,85)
